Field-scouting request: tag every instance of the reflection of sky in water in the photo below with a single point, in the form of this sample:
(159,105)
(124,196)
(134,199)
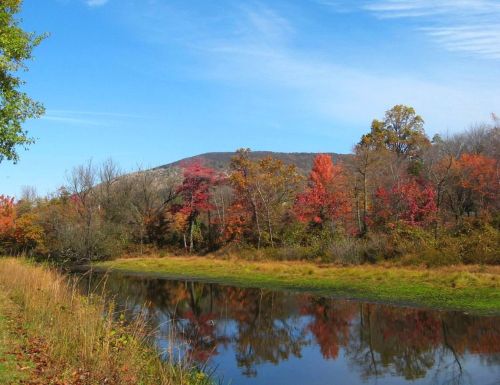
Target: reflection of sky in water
(253,336)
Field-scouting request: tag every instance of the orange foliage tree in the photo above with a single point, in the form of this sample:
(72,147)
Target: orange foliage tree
(478,175)
(28,234)
(7,214)
(264,192)
(7,218)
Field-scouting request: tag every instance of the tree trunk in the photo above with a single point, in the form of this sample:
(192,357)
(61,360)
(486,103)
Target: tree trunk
(191,243)
(358,214)
(365,203)
(268,217)
(257,223)
(269,225)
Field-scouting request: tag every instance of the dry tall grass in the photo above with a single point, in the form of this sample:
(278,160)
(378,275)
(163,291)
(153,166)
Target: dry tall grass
(81,335)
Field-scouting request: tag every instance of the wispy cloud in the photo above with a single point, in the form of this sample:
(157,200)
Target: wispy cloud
(482,40)
(265,24)
(96,3)
(97,113)
(467,26)
(420,8)
(72,120)
(258,50)
(336,91)
(87,118)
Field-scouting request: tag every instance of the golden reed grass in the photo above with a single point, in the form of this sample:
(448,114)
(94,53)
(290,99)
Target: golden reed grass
(81,334)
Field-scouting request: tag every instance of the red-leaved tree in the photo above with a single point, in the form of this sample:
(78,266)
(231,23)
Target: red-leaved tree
(326,198)
(412,202)
(195,193)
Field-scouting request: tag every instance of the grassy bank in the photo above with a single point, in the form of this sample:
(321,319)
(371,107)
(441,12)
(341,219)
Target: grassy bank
(14,365)
(475,289)
(74,339)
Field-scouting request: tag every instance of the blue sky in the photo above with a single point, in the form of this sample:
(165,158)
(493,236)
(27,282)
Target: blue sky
(147,82)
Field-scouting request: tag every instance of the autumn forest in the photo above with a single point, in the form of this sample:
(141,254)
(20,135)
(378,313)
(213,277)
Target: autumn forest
(400,195)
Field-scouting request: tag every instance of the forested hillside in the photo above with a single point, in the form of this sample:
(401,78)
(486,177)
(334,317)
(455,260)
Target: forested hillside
(221,161)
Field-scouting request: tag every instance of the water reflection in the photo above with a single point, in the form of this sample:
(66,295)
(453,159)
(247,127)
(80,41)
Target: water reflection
(252,335)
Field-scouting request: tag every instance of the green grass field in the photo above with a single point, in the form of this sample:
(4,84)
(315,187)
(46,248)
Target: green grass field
(474,289)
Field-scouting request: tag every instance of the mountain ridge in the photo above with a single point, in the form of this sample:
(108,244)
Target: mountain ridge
(220,161)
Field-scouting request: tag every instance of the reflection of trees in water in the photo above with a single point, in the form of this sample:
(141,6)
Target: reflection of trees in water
(392,340)
(173,309)
(330,323)
(403,339)
(194,319)
(267,332)
(462,336)
(410,342)
(274,326)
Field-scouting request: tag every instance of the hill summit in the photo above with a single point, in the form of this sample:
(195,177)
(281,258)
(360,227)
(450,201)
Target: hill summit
(220,161)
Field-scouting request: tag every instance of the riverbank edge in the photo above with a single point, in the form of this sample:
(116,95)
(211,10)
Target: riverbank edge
(80,339)
(473,289)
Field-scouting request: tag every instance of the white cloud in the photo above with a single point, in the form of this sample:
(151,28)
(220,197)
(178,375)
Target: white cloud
(467,26)
(96,3)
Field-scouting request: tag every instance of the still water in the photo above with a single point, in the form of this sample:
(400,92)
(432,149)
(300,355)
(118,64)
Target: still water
(259,336)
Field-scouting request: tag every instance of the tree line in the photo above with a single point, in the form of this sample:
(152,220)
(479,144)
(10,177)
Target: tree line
(399,195)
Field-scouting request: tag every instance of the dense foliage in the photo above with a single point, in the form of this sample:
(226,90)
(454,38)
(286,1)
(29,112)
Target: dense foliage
(16,46)
(399,196)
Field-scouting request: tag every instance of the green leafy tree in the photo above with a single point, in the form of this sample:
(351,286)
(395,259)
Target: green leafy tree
(401,131)
(16,46)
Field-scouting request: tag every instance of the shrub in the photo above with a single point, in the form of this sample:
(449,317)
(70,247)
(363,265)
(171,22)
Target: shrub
(478,242)
(404,239)
(348,250)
